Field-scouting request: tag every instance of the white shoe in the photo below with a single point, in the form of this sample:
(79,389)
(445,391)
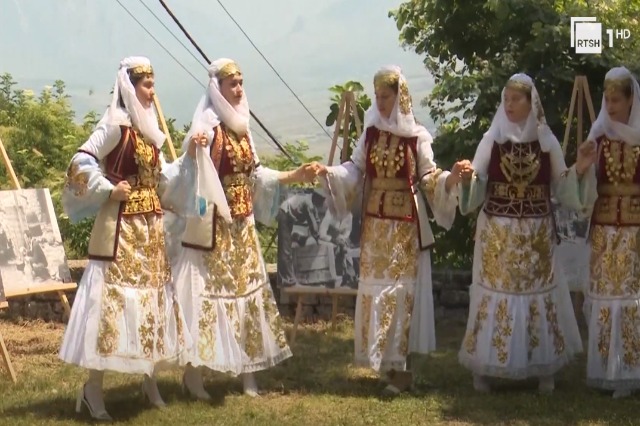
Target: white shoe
(546,384)
(150,392)
(192,383)
(250,385)
(480,383)
(91,397)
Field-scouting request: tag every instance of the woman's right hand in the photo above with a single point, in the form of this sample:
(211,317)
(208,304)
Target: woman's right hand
(121,191)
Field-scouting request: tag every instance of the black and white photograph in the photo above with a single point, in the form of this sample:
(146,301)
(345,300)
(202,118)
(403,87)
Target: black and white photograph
(568,225)
(31,250)
(316,249)
(572,251)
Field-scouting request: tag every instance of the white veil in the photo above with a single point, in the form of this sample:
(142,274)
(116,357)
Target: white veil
(502,129)
(604,125)
(401,122)
(134,114)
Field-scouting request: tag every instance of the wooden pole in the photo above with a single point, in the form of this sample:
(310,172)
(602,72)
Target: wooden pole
(567,130)
(7,163)
(356,117)
(3,348)
(345,129)
(165,128)
(336,132)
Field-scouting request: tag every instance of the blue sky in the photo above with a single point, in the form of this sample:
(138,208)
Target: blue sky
(312,44)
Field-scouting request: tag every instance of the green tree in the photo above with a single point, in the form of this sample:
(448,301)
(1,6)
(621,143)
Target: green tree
(472,47)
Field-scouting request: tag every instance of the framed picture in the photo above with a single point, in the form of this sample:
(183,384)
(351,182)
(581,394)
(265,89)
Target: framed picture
(316,249)
(31,250)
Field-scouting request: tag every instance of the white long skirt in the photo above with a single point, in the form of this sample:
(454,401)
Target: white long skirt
(228,302)
(394,308)
(612,308)
(125,316)
(521,320)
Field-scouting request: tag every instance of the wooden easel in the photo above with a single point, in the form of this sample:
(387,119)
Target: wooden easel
(582,94)
(5,353)
(346,109)
(47,287)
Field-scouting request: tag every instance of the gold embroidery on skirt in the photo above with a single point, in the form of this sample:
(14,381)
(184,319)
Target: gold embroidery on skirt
(389,307)
(389,249)
(179,324)
(471,340)
(206,335)
(254,342)
(141,259)
(408,310)
(273,317)
(615,266)
(554,328)
(604,336)
(147,328)
(161,322)
(112,307)
(235,262)
(517,258)
(367,300)
(502,331)
(630,337)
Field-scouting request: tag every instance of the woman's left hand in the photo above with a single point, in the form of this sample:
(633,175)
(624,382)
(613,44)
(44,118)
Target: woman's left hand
(196,139)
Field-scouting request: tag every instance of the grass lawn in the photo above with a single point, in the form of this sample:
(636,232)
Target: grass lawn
(318,386)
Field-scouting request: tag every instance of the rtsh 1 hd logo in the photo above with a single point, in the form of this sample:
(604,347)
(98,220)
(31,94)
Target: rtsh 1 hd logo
(586,35)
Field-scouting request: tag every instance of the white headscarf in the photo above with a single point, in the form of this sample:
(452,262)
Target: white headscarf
(604,125)
(401,122)
(134,114)
(213,108)
(502,129)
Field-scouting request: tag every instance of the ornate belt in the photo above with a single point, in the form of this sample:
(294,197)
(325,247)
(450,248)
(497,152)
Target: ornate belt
(617,205)
(391,198)
(142,200)
(509,200)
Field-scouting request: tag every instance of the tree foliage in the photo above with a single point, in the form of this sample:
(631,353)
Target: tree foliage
(471,47)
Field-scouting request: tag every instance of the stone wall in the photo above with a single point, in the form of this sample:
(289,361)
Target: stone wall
(450,294)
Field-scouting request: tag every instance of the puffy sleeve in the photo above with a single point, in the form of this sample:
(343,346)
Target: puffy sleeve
(266,190)
(86,188)
(342,181)
(177,189)
(472,193)
(572,191)
(432,184)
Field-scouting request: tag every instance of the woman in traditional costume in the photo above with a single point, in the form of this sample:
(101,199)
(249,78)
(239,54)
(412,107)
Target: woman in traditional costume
(125,316)
(221,277)
(521,322)
(393,165)
(612,305)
